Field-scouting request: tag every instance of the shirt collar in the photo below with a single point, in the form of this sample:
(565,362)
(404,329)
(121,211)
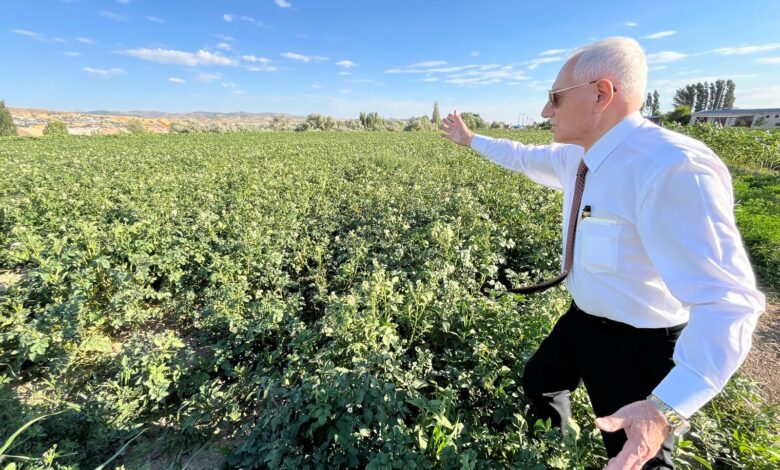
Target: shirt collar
(607,143)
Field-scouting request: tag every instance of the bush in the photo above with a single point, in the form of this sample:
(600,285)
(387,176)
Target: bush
(421,123)
(473,120)
(55,127)
(372,121)
(135,126)
(680,115)
(281,123)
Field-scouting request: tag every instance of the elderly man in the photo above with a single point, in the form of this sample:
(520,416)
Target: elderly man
(664,297)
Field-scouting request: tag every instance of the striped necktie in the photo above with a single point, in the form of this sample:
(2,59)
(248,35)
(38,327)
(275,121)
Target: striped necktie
(579,187)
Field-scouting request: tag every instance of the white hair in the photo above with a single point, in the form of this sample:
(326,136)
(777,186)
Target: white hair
(618,59)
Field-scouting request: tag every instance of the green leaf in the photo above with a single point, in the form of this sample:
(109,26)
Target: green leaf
(26,425)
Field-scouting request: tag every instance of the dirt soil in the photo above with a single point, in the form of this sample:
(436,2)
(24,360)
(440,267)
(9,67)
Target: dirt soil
(763,362)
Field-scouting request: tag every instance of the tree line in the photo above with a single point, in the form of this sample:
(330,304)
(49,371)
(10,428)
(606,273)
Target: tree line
(703,96)
(693,97)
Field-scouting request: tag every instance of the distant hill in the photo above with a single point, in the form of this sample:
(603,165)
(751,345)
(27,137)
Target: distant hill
(31,122)
(238,115)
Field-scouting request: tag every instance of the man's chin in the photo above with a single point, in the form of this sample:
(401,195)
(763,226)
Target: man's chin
(555,135)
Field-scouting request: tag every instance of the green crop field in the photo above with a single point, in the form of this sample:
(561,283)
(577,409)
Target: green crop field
(306,300)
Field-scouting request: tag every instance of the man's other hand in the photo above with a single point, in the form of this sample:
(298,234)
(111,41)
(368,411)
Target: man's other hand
(456,130)
(646,428)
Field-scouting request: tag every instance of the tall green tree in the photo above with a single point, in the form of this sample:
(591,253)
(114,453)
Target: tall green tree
(648,105)
(711,96)
(685,96)
(656,108)
(720,94)
(436,117)
(728,100)
(702,100)
(7,126)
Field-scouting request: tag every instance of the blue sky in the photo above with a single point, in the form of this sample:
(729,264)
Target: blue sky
(336,57)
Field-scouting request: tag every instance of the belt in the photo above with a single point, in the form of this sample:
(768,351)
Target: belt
(616,325)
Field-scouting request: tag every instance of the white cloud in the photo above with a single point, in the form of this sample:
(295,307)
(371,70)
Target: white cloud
(345,91)
(262,68)
(251,58)
(229,85)
(86,41)
(664,57)
(224,46)
(174,57)
(264,64)
(227,17)
(768,60)
(656,68)
(364,80)
(176,80)
(630,24)
(72,54)
(660,35)
(303,58)
(345,74)
(346,64)
(155,19)
(249,19)
(419,67)
(224,37)
(207,77)
(686,71)
(534,63)
(238,92)
(474,53)
(59,40)
(762,97)
(316,85)
(470,74)
(283,3)
(487,77)
(114,16)
(553,52)
(430,63)
(747,49)
(31,34)
(104,73)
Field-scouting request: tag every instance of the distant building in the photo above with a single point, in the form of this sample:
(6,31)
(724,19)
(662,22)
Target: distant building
(768,118)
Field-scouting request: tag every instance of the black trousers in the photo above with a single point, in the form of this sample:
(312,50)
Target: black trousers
(618,364)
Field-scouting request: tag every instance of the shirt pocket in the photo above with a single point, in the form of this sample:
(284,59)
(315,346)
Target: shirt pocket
(598,244)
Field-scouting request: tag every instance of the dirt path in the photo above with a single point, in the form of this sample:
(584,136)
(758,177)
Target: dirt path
(763,362)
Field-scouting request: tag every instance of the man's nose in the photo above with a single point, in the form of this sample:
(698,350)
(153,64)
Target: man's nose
(548,111)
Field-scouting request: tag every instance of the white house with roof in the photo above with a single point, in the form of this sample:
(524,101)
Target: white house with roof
(768,118)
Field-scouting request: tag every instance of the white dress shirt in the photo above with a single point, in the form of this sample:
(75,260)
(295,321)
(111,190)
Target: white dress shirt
(661,247)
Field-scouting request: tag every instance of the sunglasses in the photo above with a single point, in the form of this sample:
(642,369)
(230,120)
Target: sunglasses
(552,95)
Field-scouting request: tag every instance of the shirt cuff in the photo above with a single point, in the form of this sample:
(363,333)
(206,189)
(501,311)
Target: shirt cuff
(480,143)
(685,391)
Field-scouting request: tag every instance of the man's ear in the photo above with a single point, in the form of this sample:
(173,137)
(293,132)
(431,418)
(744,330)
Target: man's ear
(605,91)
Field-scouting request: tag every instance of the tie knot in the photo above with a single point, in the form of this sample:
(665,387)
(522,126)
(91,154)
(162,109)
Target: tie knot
(582,169)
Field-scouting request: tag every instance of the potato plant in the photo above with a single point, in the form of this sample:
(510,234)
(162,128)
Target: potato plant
(297,300)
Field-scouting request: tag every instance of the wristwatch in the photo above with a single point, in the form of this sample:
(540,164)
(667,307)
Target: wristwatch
(676,421)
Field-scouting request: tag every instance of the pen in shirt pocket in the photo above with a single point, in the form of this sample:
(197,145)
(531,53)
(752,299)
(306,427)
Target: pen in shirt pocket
(586,212)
